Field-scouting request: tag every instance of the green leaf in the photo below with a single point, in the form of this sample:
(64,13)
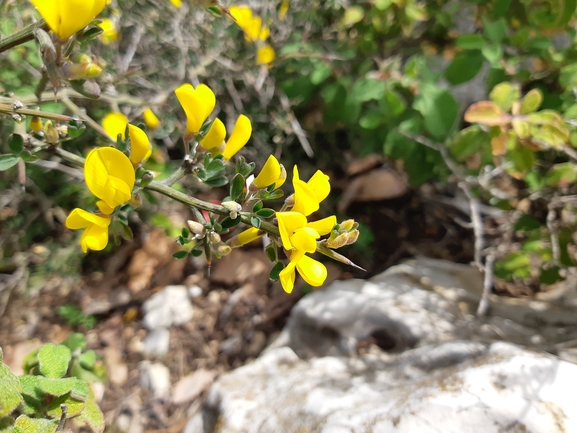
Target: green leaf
(92,417)
(180,255)
(353,15)
(31,386)
(75,407)
(532,101)
(492,53)
(76,128)
(10,391)
(505,94)
(522,157)
(495,30)
(471,42)
(185,233)
(237,187)
(196,252)
(8,161)
(54,360)
(24,424)
(87,359)
(275,271)
(228,223)
(372,119)
(366,90)
(16,143)
(469,142)
(439,110)
(214,165)
(255,222)
(272,195)
(568,76)
(561,175)
(464,67)
(266,213)
(257,206)
(320,74)
(80,390)
(217,182)
(56,387)
(27,156)
(271,252)
(487,113)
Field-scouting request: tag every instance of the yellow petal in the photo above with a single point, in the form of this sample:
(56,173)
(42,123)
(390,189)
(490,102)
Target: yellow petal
(265,55)
(150,119)
(287,277)
(104,208)
(94,238)
(109,32)
(208,99)
(115,123)
(242,15)
(79,219)
(305,200)
(312,271)
(177,3)
(239,136)
(50,11)
(249,235)
(264,33)
(140,148)
(215,135)
(304,239)
(281,179)
(288,223)
(320,185)
(193,107)
(77,14)
(109,175)
(269,174)
(324,226)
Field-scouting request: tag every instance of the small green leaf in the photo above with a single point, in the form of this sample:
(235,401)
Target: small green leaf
(92,417)
(30,386)
(217,182)
(372,119)
(353,15)
(464,67)
(87,359)
(495,30)
(255,222)
(272,195)
(25,424)
(487,113)
(56,387)
(505,94)
(80,390)
(16,143)
(532,101)
(266,213)
(471,42)
(228,223)
(237,187)
(196,252)
(180,255)
(275,271)
(75,407)
(54,360)
(439,110)
(10,391)
(492,53)
(215,165)
(185,233)
(257,206)
(8,161)
(27,156)
(271,252)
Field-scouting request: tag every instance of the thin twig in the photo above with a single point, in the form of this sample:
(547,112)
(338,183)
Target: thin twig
(477,221)
(81,114)
(296,126)
(24,35)
(62,421)
(483,307)
(555,249)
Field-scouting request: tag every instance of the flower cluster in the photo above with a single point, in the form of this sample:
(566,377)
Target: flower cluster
(198,103)
(110,176)
(254,31)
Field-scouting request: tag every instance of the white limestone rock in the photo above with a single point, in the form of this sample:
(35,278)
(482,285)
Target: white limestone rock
(171,306)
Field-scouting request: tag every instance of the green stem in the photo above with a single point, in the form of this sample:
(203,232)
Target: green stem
(9,109)
(174,177)
(22,36)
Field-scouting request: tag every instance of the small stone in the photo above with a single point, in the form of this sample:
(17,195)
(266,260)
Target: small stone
(171,306)
(155,377)
(157,342)
(191,386)
(195,291)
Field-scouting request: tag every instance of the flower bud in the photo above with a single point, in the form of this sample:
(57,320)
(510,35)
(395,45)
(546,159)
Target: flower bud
(290,201)
(196,227)
(233,207)
(282,177)
(337,242)
(224,249)
(36,124)
(348,225)
(50,133)
(353,236)
(136,200)
(214,237)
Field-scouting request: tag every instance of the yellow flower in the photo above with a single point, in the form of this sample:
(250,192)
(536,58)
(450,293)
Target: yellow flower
(66,17)
(312,271)
(215,135)
(95,235)
(114,124)
(36,124)
(265,55)
(109,32)
(249,235)
(140,148)
(297,233)
(251,25)
(177,3)
(309,194)
(271,173)
(150,119)
(197,105)
(284,7)
(109,175)
(238,137)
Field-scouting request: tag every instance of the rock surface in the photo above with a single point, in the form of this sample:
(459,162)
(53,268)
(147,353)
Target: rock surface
(403,352)
(171,306)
